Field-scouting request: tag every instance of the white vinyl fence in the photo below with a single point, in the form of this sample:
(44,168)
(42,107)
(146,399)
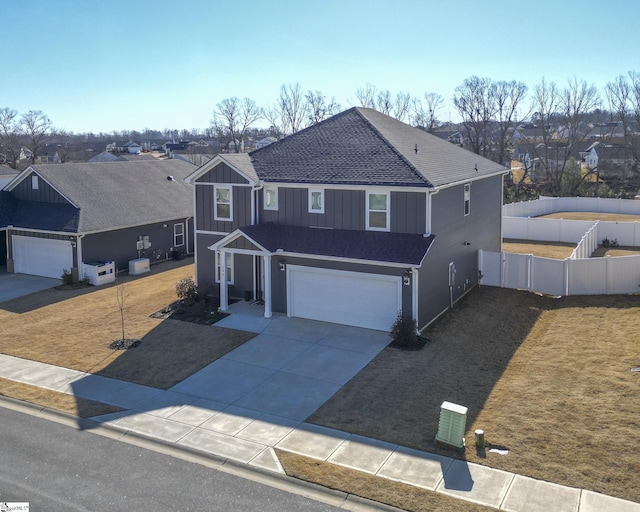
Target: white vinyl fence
(593,276)
(579,274)
(547,205)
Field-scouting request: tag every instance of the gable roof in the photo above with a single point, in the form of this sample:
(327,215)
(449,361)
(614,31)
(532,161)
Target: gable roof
(374,246)
(361,146)
(241,162)
(105,196)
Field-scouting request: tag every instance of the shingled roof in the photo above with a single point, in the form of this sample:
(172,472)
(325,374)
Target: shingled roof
(376,246)
(361,146)
(106,196)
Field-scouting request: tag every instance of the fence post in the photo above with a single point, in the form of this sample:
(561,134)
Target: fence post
(608,273)
(566,277)
(529,272)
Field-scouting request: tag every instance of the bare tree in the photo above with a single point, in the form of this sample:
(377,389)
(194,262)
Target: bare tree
(426,115)
(367,96)
(36,128)
(233,116)
(562,116)
(9,137)
(508,96)
(401,106)
(384,103)
(318,108)
(475,101)
(121,298)
(293,106)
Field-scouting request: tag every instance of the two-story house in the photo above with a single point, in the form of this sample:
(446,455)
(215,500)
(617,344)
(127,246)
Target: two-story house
(350,221)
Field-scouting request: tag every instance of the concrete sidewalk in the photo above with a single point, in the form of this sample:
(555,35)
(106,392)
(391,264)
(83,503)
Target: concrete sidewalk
(247,432)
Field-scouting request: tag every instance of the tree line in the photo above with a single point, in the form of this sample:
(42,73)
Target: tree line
(490,111)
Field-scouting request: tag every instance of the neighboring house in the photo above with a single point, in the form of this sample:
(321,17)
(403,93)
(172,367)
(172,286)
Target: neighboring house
(265,142)
(107,156)
(133,148)
(130,147)
(6,175)
(56,217)
(351,221)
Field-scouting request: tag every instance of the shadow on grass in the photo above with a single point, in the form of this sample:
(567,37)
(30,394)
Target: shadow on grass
(398,396)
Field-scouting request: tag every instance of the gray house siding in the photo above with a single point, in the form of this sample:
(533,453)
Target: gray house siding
(222,173)
(120,245)
(279,281)
(206,269)
(45,193)
(241,203)
(3,247)
(408,212)
(206,265)
(345,209)
(481,229)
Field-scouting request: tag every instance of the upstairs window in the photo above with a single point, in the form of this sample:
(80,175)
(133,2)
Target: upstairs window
(316,200)
(270,198)
(467,199)
(378,211)
(223,203)
(34,182)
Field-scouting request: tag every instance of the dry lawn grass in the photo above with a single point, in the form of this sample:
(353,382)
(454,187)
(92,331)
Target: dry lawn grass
(371,487)
(611,217)
(54,400)
(547,378)
(556,250)
(73,329)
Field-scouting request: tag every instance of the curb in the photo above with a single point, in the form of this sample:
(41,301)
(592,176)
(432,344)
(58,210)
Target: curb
(310,490)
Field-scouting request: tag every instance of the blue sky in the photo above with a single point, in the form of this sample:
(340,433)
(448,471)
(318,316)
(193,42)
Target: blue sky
(113,65)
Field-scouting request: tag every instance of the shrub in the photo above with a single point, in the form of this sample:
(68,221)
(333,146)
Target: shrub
(404,333)
(67,276)
(187,290)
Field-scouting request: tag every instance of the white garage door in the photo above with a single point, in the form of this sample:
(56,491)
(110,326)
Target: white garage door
(350,298)
(41,256)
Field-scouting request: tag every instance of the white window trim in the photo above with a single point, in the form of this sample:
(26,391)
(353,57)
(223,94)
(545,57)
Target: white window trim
(275,190)
(311,191)
(466,192)
(388,211)
(34,182)
(230,273)
(179,225)
(215,202)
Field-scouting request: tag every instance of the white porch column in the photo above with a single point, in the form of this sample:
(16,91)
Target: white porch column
(224,287)
(267,285)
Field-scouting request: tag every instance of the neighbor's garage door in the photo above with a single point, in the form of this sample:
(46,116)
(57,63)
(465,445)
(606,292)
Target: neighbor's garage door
(41,256)
(350,298)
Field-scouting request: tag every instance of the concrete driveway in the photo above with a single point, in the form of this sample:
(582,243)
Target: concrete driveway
(13,286)
(289,369)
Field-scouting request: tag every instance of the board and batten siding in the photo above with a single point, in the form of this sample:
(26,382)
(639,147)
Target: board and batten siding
(241,202)
(45,193)
(222,173)
(345,209)
(481,229)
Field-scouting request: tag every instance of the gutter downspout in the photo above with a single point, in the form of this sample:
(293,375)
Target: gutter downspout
(429,209)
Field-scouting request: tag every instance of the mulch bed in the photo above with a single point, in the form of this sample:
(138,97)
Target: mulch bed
(198,312)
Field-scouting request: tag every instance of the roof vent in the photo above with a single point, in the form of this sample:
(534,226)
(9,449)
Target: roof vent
(416,149)
(453,422)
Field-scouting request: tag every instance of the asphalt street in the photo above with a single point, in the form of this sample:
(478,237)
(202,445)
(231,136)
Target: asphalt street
(58,468)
